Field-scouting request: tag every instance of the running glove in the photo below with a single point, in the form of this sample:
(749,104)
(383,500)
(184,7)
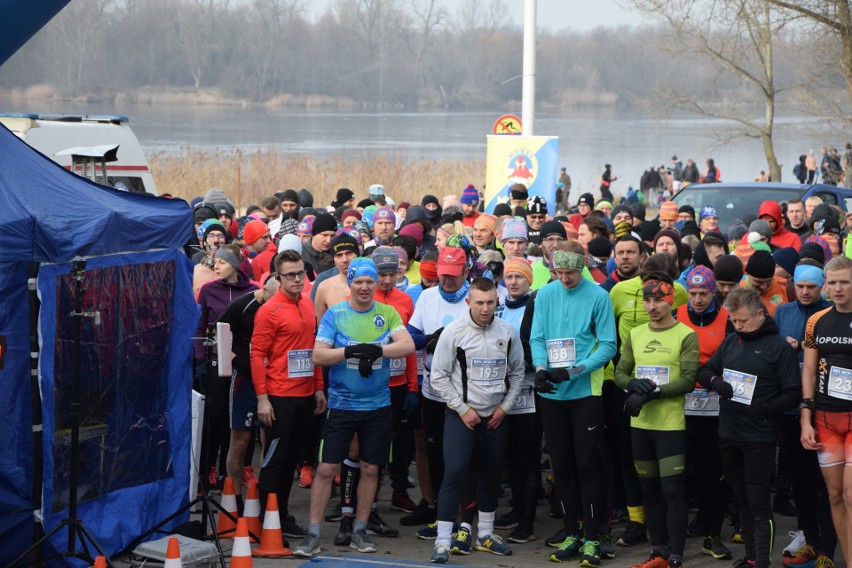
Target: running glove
(410,404)
(635,402)
(641,386)
(543,382)
(366,353)
(432,340)
(722,388)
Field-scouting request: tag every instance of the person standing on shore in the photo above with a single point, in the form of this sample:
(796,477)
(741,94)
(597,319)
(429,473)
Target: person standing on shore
(606,183)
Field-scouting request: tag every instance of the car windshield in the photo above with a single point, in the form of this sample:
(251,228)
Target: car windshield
(731,202)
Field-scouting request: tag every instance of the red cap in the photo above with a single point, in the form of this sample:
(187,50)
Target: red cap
(451,261)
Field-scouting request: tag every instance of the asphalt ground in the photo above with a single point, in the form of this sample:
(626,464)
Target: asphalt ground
(407,550)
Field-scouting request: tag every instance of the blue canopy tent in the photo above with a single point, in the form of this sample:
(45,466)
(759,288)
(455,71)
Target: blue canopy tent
(21,20)
(134,351)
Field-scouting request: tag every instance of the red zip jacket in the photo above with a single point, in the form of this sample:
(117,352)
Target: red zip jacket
(405,307)
(282,325)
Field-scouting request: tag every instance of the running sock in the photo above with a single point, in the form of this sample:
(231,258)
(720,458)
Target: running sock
(636,514)
(314,529)
(359,526)
(485,525)
(445,533)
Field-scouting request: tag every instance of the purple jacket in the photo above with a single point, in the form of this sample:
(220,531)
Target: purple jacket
(213,298)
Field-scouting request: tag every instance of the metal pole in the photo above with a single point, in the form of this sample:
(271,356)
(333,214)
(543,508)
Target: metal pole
(528,96)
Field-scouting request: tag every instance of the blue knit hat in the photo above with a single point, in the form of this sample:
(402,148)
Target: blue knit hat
(470,195)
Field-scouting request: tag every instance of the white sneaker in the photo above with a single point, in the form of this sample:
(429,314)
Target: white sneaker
(795,544)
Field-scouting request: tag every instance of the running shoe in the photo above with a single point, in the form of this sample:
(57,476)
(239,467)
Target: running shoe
(310,547)
(805,557)
(213,477)
(377,527)
(743,563)
(634,533)
(344,533)
(556,540)
(656,560)
(713,546)
(568,550)
(783,507)
(675,563)
(248,475)
(695,528)
(737,537)
(423,514)
(508,521)
(306,476)
(462,542)
(607,547)
(521,533)
(362,542)
(441,555)
(291,529)
(429,532)
(402,502)
(590,554)
(492,543)
(824,562)
(797,542)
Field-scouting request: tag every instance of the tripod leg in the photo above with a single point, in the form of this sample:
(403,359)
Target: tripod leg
(207,512)
(37,545)
(83,532)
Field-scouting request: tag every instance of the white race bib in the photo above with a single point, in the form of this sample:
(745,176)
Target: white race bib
(421,363)
(525,403)
(660,375)
(397,367)
(561,353)
(840,383)
(488,370)
(701,402)
(743,384)
(299,363)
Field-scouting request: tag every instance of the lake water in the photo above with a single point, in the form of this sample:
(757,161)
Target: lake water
(588,138)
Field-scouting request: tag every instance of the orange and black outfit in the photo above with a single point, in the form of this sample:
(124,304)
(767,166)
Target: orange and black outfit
(281,367)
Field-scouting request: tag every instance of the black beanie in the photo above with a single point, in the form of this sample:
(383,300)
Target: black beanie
(761,265)
(364,203)
(344,194)
(600,247)
(343,242)
(289,195)
(323,222)
(812,251)
(519,191)
(502,209)
(553,228)
(620,209)
(728,268)
(306,199)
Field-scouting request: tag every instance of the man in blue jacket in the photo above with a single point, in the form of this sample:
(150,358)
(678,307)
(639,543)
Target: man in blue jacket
(573,337)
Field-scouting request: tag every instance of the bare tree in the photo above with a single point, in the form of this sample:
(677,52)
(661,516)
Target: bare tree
(736,38)
(428,16)
(78,28)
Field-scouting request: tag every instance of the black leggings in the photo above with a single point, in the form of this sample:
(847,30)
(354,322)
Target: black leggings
(524,463)
(808,488)
(624,486)
(433,426)
(711,489)
(748,468)
(575,438)
(660,457)
(401,447)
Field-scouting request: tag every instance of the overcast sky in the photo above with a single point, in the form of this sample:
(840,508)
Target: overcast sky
(554,15)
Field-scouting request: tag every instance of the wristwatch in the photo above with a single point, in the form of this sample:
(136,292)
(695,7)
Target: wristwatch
(808,403)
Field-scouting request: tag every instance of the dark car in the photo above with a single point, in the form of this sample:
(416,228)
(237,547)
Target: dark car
(733,200)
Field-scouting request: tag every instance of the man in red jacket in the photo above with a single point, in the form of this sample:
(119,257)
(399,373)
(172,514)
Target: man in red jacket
(770,211)
(289,387)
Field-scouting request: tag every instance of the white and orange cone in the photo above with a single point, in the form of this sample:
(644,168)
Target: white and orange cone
(100,562)
(251,510)
(241,553)
(173,559)
(224,525)
(271,539)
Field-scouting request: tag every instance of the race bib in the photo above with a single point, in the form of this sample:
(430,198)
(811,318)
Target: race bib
(397,367)
(488,370)
(561,353)
(421,361)
(353,363)
(525,403)
(299,364)
(743,384)
(701,402)
(840,383)
(660,375)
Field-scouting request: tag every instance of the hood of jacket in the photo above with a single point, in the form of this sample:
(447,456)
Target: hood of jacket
(773,209)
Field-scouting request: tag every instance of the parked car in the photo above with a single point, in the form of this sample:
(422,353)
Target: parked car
(733,200)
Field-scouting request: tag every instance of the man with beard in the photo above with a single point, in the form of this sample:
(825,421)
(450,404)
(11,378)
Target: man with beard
(629,256)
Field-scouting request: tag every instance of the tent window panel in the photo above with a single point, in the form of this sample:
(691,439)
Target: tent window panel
(124,440)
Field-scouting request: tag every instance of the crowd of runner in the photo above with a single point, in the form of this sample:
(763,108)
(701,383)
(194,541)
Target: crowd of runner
(647,365)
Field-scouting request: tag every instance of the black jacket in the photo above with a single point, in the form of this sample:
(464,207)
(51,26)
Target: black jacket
(767,355)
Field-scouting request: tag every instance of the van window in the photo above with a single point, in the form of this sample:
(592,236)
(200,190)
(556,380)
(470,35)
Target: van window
(132,184)
(827,198)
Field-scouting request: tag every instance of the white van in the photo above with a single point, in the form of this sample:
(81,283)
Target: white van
(58,136)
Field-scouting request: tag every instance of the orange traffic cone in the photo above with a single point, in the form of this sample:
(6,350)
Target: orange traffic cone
(224,525)
(173,559)
(100,562)
(271,539)
(241,553)
(251,510)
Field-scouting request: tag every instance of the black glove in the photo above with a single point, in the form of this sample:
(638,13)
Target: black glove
(543,382)
(758,411)
(635,402)
(560,375)
(641,386)
(365,367)
(722,388)
(363,350)
(432,340)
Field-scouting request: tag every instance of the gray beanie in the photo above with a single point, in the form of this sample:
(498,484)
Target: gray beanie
(386,259)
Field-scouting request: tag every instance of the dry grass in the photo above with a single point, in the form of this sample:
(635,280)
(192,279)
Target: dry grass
(248,177)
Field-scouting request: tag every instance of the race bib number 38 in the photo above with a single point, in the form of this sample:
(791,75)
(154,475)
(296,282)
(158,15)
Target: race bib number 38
(299,364)
(561,353)
(743,384)
(840,383)
(488,370)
